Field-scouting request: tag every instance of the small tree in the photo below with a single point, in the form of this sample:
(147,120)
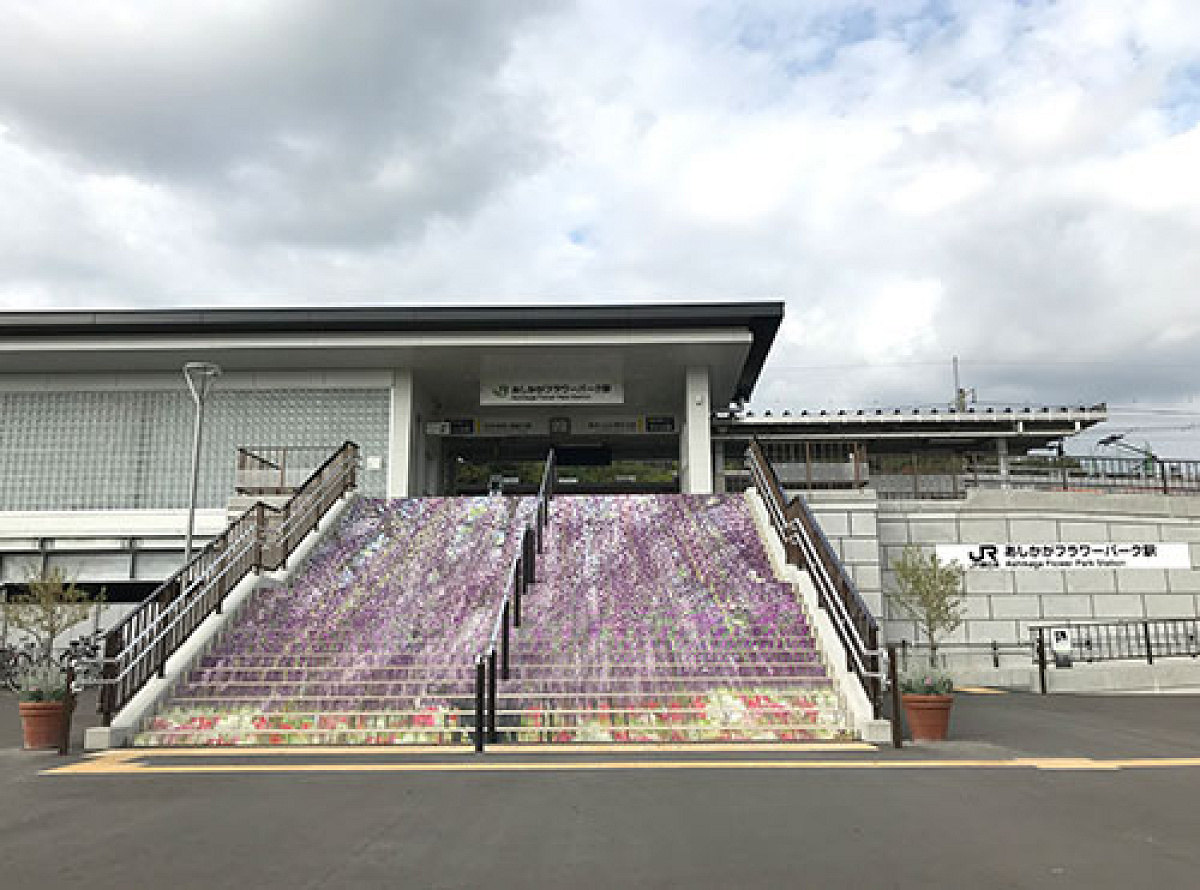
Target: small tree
(930,591)
(51,605)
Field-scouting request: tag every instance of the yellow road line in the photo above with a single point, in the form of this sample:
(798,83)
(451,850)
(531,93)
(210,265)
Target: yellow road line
(980,690)
(123,766)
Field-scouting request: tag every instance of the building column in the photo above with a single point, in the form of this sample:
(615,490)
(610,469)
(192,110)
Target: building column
(401,417)
(1002,461)
(697,475)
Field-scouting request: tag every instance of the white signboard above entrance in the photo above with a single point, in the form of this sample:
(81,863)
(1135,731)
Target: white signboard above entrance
(1074,555)
(551,392)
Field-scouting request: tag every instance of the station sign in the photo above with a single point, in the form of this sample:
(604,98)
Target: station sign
(1054,555)
(527,391)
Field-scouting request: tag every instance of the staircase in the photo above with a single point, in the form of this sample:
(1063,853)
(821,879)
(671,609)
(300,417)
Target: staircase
(654,618)
(657,619)
(372,642)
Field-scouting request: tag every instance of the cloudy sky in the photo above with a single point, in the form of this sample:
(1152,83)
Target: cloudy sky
(1015,183)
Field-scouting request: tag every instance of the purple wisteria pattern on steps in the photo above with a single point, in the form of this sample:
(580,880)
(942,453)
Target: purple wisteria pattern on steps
(654,618)
(666,623)
(408,583)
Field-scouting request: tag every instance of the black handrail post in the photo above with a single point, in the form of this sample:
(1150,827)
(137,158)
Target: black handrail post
(518,590)
(897,712)
(480,683)
(64,747)
(504,642)
(527,544)
(108,692)
(995,655)
(493,735)
(1149,645)
(1041,658)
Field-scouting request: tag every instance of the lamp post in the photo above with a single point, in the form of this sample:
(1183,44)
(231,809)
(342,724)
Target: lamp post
(200,377)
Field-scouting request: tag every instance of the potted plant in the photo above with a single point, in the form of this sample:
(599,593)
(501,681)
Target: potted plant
(50,606)
(930,592)
(43,706)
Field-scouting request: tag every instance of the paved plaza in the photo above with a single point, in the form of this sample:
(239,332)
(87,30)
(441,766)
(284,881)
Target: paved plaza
(1063,791)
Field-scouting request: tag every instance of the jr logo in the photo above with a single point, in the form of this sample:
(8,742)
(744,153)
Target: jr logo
(987,556)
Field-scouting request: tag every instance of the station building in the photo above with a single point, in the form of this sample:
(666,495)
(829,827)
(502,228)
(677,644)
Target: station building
(95,443)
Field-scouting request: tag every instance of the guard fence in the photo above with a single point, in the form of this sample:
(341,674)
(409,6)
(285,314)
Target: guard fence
(847,465)
(1149,639)
(136,650)
(805,546)
(494,661)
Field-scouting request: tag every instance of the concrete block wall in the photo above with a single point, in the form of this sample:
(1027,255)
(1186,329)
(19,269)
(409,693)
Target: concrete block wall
(850,521)
(1002,604)
(870,534)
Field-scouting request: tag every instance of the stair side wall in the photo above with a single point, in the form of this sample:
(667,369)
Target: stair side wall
(142,707)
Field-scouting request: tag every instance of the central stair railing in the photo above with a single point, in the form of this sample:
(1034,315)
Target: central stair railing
(136,650)
(494,662)
(806,546)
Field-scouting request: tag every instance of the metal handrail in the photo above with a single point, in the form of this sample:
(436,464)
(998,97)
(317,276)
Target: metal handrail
(1120,639)
(137,647)
(865,657)
(492,663)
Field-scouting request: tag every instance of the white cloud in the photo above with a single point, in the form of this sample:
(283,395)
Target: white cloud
(1011,182)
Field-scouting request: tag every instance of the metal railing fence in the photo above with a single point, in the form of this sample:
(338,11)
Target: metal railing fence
(1142,639)
(845,465)
(806,546)
(136,649)
(276,469)
(493,663)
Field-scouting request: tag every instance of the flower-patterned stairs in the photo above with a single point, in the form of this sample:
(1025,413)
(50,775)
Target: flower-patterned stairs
(654,618)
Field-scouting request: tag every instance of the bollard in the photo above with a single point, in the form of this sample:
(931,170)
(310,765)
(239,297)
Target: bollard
(897,710)
(64,747)
(1041,658)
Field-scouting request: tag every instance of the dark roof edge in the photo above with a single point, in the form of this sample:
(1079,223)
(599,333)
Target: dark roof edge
(761,317)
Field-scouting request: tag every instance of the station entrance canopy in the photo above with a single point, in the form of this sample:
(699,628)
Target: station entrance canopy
(465,385)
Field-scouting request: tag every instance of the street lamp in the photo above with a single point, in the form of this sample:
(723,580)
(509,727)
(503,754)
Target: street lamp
(200,377)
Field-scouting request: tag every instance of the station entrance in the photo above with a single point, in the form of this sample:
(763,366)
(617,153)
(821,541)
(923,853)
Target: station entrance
(647,465)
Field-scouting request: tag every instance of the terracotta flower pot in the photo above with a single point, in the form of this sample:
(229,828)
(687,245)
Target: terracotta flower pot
(43,723)
(928,716)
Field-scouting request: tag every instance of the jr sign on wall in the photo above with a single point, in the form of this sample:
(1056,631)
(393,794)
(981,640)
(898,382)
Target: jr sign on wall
(500,391)
(1074,555)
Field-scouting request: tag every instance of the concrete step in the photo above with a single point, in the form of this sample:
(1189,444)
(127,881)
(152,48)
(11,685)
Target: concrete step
(355,661)
(514,686)
(464,737)
(552,673)
(724,717)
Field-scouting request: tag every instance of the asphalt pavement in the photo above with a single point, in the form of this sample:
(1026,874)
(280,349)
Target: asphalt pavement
(1058,791)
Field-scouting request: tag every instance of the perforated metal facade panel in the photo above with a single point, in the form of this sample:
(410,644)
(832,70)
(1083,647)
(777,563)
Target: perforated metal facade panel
(132,450)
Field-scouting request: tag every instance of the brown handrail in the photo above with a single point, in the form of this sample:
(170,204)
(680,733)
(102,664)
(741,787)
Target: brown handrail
(137,648)
(807,547)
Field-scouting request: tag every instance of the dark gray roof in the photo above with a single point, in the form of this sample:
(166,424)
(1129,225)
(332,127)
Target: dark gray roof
(761,318)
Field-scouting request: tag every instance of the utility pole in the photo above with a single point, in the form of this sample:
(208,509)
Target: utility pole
(960,394)
(200,377)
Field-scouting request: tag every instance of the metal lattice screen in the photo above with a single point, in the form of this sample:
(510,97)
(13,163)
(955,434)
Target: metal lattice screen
(132,450)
